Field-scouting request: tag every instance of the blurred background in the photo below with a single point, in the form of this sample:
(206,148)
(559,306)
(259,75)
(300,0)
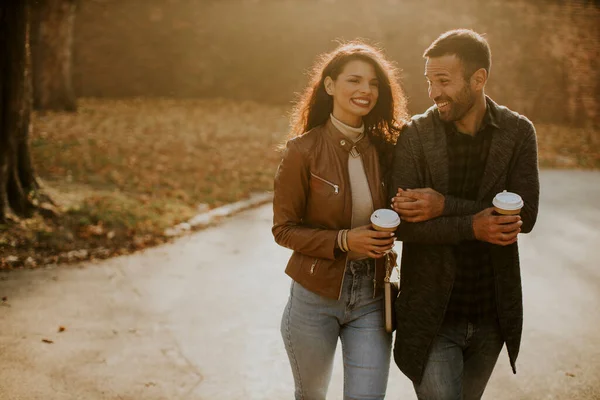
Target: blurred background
(545,52)
(150,111)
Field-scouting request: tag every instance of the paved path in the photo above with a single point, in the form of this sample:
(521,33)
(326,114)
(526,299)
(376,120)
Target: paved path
(199,318)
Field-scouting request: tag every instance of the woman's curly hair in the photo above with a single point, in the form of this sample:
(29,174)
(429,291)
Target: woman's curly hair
(384,121)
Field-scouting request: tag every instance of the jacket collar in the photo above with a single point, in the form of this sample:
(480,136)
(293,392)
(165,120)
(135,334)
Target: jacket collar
(342,141)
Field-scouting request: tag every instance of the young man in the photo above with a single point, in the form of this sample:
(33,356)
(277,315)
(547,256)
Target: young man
(460,297)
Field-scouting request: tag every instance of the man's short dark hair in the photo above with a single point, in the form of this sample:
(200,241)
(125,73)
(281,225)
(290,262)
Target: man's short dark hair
(469,46)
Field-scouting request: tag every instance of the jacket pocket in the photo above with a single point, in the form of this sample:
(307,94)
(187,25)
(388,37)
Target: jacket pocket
(324,183)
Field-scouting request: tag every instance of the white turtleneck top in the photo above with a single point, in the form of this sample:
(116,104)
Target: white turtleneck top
(362,203)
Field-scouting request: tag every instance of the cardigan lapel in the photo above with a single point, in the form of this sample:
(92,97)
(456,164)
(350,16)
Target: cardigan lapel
(433,139)
(501,150)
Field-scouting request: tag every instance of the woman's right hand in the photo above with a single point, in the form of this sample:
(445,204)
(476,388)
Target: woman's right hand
(365,240)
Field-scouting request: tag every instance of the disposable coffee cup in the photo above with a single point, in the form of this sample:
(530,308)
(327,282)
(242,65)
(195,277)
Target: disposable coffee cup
(385,220)
(507,203)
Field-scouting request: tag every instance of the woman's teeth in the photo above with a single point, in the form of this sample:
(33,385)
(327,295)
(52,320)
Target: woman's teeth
(361,102)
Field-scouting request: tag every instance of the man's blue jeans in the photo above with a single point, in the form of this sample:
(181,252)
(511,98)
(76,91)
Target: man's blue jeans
(310,328)
(461,361)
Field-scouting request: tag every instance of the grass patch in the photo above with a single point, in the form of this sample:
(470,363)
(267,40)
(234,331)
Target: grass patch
(122,171)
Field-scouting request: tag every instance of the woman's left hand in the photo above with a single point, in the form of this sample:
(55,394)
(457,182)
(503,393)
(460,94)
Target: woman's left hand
(366,240)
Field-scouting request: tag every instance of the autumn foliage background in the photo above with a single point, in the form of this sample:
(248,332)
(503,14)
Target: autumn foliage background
(545,52)
(183,103)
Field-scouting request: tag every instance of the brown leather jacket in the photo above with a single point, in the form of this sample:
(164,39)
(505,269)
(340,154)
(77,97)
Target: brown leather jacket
(312,202)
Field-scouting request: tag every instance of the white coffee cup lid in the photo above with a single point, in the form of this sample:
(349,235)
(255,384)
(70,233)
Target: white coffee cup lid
(385,218)
(508,201)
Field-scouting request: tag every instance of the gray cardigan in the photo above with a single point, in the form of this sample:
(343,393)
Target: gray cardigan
(428,265)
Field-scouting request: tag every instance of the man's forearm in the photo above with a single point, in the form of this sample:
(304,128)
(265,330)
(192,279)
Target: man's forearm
(442,230)
(456,206)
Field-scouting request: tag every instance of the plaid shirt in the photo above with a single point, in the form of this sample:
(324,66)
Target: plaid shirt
(473,294)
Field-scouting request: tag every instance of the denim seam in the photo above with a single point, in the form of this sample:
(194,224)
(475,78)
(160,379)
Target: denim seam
(354,292)
(344,363)
(359,290)
(291,345)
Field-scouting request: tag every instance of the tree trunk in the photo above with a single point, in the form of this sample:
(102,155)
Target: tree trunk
(16,173)
(52,44)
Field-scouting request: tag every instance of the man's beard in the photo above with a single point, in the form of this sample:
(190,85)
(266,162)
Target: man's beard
(459,107)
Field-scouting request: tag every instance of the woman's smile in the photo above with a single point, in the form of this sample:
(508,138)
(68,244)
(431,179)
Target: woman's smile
(361,101)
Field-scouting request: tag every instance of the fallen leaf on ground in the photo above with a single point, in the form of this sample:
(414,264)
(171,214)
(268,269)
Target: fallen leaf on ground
(47,341)
(570,374)
(61,328)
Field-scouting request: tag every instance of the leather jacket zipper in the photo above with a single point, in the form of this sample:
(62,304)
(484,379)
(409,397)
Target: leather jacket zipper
(372,206)
(313,266)
(346,257)
(336,188)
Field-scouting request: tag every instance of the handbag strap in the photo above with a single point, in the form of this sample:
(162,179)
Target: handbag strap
(389,267)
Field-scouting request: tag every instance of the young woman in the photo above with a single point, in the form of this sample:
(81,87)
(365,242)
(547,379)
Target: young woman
(333,175)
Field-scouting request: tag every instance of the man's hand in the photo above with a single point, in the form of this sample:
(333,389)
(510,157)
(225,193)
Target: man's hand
(418,205)
(501,230)
(366,240)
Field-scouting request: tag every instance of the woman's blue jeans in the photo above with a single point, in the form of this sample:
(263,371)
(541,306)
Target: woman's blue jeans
(310,328)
